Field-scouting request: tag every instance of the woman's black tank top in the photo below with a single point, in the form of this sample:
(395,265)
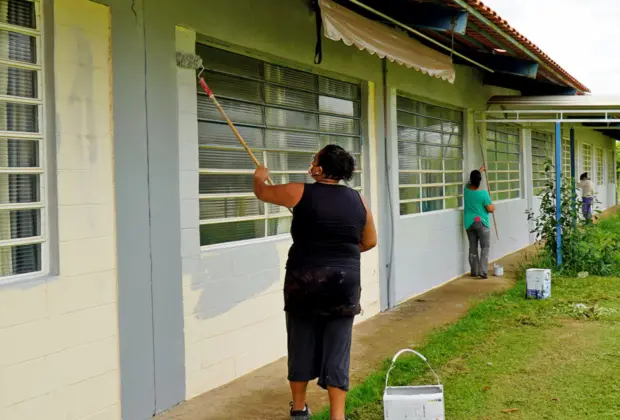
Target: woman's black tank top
(327,227)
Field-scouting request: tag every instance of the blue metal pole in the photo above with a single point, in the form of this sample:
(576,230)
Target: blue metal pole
(558,191)
(572,174)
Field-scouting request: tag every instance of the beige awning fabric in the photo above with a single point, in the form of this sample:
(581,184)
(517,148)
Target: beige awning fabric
(342,24)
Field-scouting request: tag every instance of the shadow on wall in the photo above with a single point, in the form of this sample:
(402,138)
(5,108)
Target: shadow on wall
(251,274)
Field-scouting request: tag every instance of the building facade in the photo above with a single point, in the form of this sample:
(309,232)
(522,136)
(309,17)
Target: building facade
(136,268)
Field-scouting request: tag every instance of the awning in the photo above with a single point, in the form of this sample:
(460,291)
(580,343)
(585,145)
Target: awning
(342,24)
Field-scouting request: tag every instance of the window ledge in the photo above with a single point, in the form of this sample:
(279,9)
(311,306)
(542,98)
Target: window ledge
(27,280)
(249,242)
(429,213)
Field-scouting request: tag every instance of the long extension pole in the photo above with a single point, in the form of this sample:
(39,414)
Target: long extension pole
(486,175)
(208,91)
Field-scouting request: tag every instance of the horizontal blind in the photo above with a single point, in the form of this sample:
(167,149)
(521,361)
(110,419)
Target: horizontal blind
(586,159)
(430,156)
(600,162)
(504,161)
(542,154)
(285,116)
(21,157)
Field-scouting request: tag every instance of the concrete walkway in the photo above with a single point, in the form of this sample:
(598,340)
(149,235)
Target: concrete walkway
(265,394)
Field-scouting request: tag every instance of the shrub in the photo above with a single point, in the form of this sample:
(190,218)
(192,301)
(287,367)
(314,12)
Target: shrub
(594,248)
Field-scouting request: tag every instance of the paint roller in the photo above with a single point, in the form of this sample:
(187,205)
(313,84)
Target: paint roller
(194,62)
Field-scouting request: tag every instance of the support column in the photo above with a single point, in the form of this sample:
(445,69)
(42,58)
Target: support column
(558,191)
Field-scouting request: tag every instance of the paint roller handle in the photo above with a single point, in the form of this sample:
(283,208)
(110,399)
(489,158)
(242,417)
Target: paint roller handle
(400,353)
(208,91)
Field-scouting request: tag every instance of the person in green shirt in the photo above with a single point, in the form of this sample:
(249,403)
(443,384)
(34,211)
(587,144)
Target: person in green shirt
(477,206)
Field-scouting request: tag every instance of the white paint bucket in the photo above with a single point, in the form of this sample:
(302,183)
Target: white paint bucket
(538,283)
(498,270)
(413,402)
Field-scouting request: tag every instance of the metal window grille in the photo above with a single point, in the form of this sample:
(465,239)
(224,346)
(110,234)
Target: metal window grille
(504,161)
(586,160)
(285,116)
(611,168)
(22,232)
(542,152)
(600,162)
(430,157)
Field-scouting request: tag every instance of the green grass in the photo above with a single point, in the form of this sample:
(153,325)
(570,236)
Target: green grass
(543,358)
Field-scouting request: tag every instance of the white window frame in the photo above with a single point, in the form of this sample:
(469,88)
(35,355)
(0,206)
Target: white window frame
(584,159)
(443,171)
(600,166)
(537,175)
(39,136)
(261,154)
(490,163)
(566,157)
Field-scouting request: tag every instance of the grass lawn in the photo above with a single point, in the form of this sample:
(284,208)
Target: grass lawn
(544,359)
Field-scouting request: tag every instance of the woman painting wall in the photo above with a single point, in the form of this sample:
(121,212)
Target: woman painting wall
(331,227)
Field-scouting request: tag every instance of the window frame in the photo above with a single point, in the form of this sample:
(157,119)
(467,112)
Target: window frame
(420,171)
(43,205)
(584,146)
(600,165)
(537,191)
(566,158)
(262,151)
(519,135)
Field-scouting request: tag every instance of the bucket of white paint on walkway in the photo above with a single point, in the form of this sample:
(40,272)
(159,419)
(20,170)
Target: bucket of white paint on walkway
(538,282)
(413,402)
(498,270)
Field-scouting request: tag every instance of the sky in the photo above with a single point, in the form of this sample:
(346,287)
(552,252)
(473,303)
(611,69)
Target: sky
(581,36)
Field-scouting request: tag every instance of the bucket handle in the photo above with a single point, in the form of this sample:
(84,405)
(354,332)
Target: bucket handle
(397,355)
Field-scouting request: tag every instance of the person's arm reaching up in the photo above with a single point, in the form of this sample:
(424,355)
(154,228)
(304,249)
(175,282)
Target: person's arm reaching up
(286,195)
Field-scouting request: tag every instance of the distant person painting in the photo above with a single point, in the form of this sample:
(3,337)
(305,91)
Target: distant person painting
(587,195)
(477,207)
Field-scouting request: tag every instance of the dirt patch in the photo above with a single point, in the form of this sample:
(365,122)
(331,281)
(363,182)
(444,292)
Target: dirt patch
(265,392)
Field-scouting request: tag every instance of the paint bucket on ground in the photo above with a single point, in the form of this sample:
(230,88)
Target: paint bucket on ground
(538,283)
(413,402)
(498,270)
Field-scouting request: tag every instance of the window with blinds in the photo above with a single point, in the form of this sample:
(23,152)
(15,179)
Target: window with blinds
(611,168)
(542,153)
(21,148)
(285,116)
(566,158)
(600,162)
(430,157)
(586,159)
(504,161)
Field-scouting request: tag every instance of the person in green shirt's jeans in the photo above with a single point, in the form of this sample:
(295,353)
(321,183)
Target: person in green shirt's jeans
(477,207)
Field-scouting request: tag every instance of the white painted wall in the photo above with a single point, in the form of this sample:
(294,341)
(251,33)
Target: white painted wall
(232,294)
(59,334)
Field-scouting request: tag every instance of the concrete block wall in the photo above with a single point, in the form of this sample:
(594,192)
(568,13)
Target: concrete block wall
(59,333)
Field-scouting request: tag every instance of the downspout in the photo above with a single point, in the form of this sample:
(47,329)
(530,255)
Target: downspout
(390,288)
(510,39)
